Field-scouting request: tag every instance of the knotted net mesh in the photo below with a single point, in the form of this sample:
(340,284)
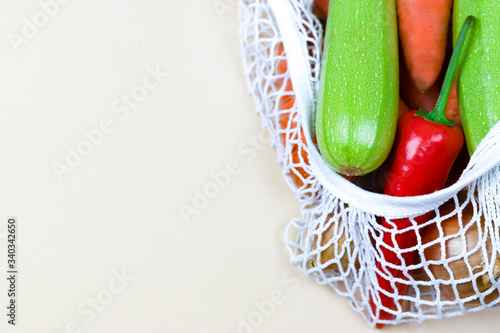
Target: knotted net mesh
(434,264)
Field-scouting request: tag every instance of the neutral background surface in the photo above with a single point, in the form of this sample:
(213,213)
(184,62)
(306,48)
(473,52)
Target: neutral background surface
(115,209)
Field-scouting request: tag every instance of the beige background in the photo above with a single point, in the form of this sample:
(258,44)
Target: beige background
(117,211)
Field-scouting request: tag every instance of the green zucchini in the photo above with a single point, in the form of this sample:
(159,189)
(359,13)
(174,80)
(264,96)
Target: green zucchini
(357,108)
(478,74)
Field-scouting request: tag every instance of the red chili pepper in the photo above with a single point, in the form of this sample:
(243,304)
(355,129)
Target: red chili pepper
(427,144)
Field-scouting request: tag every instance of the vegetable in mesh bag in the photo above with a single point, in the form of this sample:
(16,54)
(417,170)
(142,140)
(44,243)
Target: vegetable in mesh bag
(478,77)
(460,248)
(427,146)
(335,240)
(358,101)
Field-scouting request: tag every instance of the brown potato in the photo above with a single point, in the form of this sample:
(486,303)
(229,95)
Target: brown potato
(336,248)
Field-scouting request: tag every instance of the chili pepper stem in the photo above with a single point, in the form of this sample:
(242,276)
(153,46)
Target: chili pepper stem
(438,115)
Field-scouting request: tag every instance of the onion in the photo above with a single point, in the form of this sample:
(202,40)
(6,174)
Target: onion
(478,256)
(337,250)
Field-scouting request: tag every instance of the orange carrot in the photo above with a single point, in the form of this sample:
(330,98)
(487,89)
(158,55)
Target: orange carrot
(423,26)
(415,99)
(322,6)
(288,122)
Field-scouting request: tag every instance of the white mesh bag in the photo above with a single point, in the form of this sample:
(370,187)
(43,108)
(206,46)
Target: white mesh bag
(338,240)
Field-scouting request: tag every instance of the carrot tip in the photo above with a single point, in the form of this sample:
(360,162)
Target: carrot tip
(422,85)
